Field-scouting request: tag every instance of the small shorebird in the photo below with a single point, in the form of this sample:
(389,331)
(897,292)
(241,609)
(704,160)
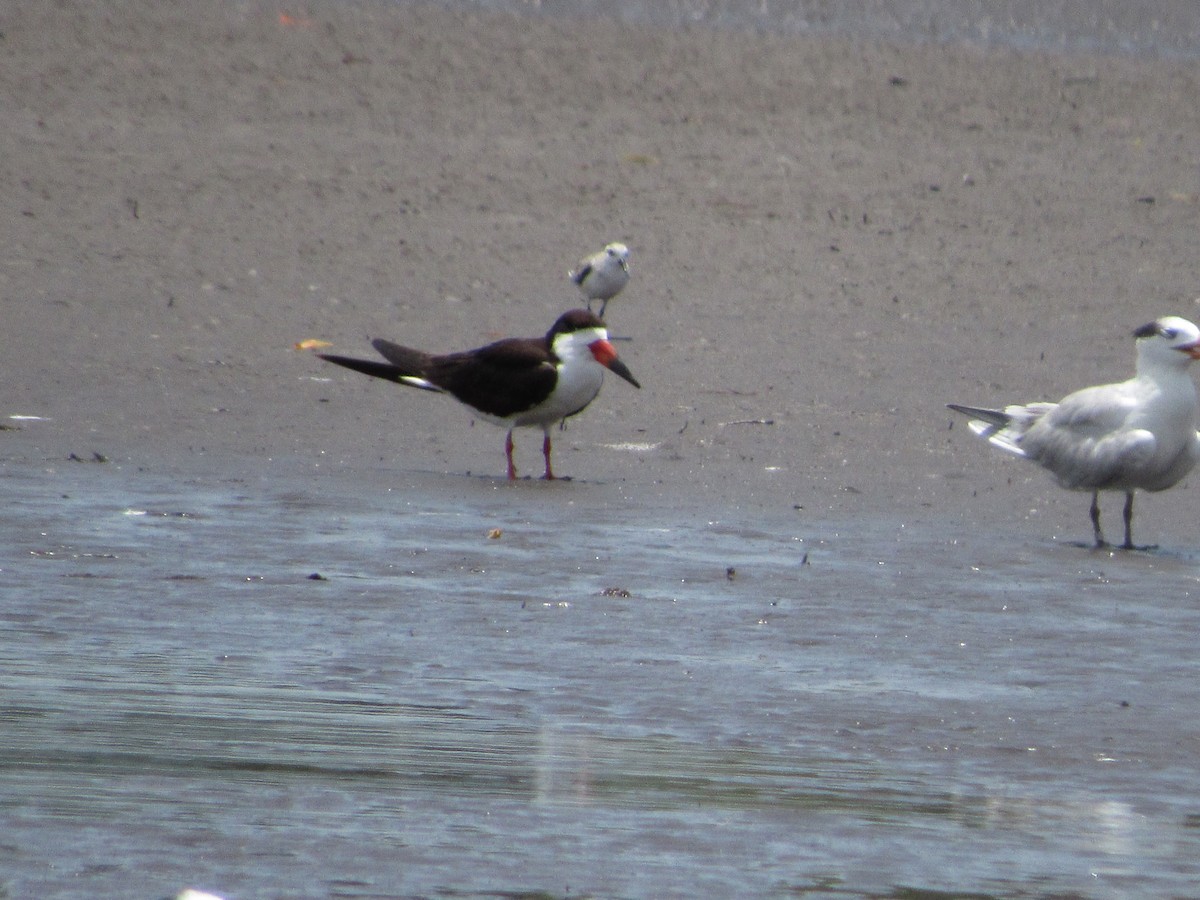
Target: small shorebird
(515,382)
(602,275)
(1140,433)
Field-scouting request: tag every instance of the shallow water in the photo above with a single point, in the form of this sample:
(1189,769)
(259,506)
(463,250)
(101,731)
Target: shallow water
(777,708)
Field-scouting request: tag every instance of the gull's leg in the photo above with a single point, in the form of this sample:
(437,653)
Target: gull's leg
(1128,514)
(1095,511)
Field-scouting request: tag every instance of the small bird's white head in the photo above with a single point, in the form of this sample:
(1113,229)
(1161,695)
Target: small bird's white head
(1169,341)
(620,253)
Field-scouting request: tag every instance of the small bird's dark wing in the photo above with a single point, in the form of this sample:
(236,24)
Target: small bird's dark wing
(501,379)
(581,273)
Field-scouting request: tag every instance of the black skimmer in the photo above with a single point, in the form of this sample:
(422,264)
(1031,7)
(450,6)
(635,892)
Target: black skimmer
(1140,433)
(602,275)
(515,382)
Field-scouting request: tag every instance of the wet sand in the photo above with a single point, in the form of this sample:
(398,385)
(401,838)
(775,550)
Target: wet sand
(847,617)
(587,704)
(830,241)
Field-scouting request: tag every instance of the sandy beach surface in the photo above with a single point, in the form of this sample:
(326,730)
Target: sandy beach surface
(282,630)
(833,238)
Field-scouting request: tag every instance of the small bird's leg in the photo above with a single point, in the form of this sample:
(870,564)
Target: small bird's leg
(1128,514)
(508,451)
(549,476)
(1095,511)
(603,307)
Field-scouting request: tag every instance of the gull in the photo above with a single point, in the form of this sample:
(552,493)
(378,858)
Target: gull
(515,382)
(1139,433)
(602,275)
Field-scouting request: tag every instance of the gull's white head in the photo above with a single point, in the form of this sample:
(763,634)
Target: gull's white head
(1169,341)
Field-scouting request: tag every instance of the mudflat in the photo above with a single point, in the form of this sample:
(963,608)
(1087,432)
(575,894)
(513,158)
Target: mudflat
(830,240)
